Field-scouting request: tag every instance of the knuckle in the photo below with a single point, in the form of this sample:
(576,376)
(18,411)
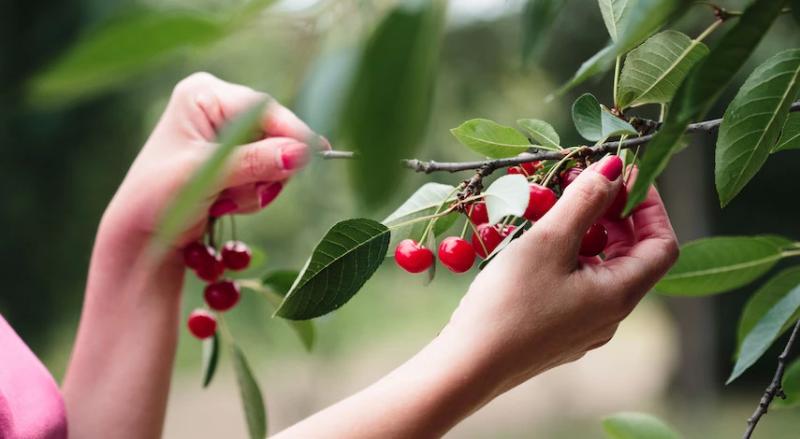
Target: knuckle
(671,252)
(253,163)
(192,83)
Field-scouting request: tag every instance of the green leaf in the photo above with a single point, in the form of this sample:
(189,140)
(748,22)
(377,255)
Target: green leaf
(796,10)
(654,70)
(613,11)
(508,195)
(491,139)
(790,135)
(238,131)
(430,242)
(719,264)
(766,331)
(210,358)
(791,387)
(250,394)
(701,89)
(541,132)
(341,263)
(753,122)
(538,17)
(122,48)
(764,299)
(278,283)
(595,123)
(387,112)
(424,202)
(630,425)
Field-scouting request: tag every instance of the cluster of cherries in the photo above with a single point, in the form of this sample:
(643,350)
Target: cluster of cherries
(220,294)
(458,254)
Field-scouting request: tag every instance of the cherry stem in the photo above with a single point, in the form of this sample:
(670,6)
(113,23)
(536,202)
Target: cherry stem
(211,232)
(475,232)
(233,227)
(558,164)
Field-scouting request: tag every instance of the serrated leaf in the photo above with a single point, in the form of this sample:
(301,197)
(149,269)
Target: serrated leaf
(508,195)
(631,425)
(542,133)
(653,71)
(491,139)
(348,255)
(389,106)
(701,89)
(595,123)
(210,358)
(790,134)
(424,202)
(790,386)
(719,264)
(766,331)
(537,20)
(613,11)
(753,122)
(279,283)
(250,394)
(764,299)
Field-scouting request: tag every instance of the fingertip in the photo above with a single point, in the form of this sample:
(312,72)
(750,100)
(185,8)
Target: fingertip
(293,156)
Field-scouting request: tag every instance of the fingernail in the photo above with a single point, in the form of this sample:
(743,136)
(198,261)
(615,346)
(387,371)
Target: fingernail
(610,167)
(268,192)
(222,207)
(293,156)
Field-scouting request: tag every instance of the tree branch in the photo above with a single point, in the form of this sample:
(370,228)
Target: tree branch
(775,388)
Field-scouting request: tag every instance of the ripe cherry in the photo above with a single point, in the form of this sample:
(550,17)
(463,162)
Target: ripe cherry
(197,254)
(594,241)
(531,167)
(478,213)
(515,170)
(568,176)
(614,211)
(412,256)
(202,324)
(507,230)
(456,254)
(222,295)
(236,255)
(540,201)
(486,240)
(210,269)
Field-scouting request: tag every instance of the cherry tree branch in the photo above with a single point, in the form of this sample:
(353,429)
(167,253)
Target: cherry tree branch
(775,388)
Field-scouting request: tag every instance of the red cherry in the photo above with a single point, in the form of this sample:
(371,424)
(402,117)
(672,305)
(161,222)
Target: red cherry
(202,324)
(568,176)
(540,201)
(236,255)
(515,170)
(531,167)
(210,269)
(456,254)
(412,256)
(197,254)
(486,240)
(594,241)
(507,230)
(614,211)
(478,213)
(222,295)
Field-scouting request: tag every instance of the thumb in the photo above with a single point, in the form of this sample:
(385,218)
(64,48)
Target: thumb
(266,160)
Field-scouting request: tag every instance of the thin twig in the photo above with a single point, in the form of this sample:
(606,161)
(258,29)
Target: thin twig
(775,388)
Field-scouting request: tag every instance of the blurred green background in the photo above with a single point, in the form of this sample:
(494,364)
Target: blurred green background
(62,161)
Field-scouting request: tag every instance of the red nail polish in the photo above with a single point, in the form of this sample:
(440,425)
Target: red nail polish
(610,167)
(294,156)
(268,192)
(222,207)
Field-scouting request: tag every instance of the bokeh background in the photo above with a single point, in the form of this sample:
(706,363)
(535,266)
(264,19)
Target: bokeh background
(61,162)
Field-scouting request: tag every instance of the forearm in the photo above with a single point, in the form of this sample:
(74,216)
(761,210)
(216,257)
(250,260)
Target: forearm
(119,374)
(425,397)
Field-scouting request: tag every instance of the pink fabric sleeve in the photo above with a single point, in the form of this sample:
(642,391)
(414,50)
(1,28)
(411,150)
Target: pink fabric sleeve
(31,406)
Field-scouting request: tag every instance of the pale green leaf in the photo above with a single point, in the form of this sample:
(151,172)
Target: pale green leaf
(613,11)
(542,133)
(508,195)
(424,202)
(210,358)
(491,139)
(653,71)
(595,123)
(631,425)
(250,394)
(790,135)
(278,283)
(764,299)
(753,122)
(791,387)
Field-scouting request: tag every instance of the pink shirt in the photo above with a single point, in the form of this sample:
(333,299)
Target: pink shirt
(30,403)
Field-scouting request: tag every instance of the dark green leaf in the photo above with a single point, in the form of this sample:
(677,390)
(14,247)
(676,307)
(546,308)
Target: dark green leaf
(753,122)
(278,283)
(791,387)
(715,265)
(654,70)
(701,89)
(491,139)
(595,123)
(537,20)
(252,401)
(765,298)
(388,109)
(342,262)
(796,10)
(424,202)
(238,131)
(790,135)
(766,331)
(508,195)
(210,358)
(542,133)
(630,425)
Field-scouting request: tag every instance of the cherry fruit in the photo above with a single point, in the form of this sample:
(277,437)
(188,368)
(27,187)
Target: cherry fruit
(594,241)
(478,213)
(530,167)
(412,256)
(568,176)
(614,211)
(202,324)
(540,201)
(456,254)
(236,255)
(210,269)
(486,240)
(222,295)
(197,254)
(515,170)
